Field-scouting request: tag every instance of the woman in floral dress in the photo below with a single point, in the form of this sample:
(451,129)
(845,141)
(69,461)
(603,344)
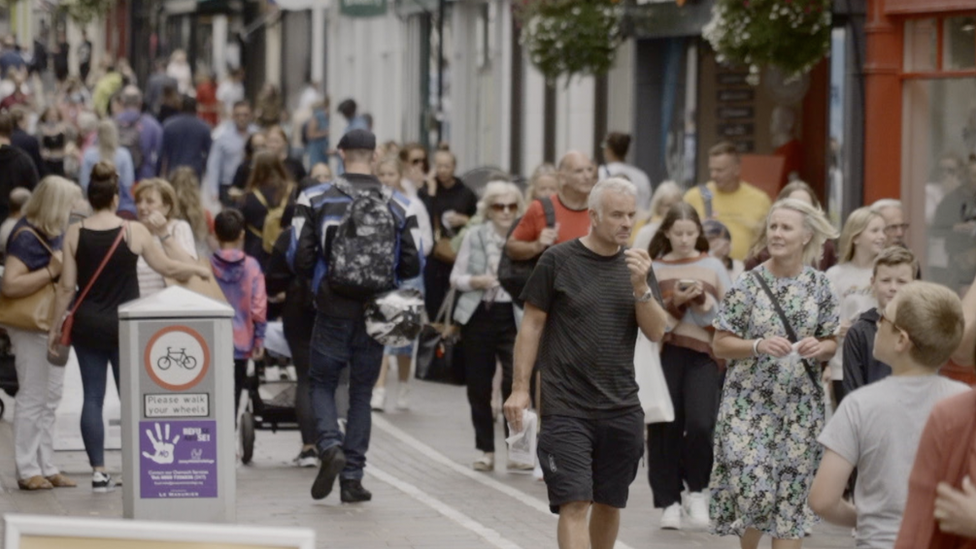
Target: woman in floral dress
(766,450)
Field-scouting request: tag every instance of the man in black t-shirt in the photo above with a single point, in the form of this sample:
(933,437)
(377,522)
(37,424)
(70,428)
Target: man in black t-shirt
(16,168)
(584,303)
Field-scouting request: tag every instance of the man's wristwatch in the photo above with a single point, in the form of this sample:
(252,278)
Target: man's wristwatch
(648,295)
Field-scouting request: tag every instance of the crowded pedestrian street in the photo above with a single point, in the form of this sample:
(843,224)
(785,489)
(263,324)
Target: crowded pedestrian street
(426,495)
(586,274)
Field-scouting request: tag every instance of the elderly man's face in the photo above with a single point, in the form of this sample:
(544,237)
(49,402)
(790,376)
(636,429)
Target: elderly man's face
(895,227)
(615,220)
(578,174)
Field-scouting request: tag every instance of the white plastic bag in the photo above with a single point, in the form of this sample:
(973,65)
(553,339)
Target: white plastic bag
(653,389)
(521,445)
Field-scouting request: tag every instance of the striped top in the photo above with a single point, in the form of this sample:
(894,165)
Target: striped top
(690,325)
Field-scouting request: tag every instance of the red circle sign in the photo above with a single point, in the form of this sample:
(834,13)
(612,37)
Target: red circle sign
(177,358)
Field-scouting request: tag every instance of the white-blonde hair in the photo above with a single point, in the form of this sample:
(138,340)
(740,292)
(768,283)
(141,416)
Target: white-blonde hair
(50,205)
(664,190)
(495,189)
(814,221)
(611,184)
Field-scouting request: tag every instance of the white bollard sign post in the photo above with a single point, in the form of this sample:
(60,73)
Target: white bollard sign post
(178,451)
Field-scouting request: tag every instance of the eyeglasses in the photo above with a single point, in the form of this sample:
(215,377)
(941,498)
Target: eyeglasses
(903,227)
(883,318)
(504,207)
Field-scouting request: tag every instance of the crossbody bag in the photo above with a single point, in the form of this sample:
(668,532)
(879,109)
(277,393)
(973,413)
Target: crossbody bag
(790,334)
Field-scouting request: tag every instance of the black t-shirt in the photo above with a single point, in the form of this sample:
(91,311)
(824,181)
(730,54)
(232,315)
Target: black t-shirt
(587,349)
(458,198)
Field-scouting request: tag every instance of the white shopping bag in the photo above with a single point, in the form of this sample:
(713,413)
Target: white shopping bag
(653,389)
(521,445)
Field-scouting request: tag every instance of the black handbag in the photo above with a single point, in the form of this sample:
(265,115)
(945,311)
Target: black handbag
(513,274)
(438,348)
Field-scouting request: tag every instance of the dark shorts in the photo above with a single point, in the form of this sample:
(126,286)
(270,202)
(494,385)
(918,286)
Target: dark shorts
(592,460)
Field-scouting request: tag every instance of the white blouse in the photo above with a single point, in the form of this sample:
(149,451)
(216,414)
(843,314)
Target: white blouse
(151,282)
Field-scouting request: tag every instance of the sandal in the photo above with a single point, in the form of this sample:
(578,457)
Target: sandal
(61,481)
(36,482)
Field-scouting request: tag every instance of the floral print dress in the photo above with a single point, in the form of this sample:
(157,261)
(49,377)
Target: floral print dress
(766,450)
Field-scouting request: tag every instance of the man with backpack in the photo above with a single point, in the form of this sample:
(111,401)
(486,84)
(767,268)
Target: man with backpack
(139,133)
(352,237)
(568,219)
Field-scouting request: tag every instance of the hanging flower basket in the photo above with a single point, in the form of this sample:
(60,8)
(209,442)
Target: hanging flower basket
(793,35)
(568,37)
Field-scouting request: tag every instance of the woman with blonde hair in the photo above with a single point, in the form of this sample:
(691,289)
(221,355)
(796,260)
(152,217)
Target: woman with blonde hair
(159,211)
(667,194)
(189,206)
(800,191)
(485,311)
(861,240)
(544,182)
(107,149)
(34,260)
(390,172)
(766,451)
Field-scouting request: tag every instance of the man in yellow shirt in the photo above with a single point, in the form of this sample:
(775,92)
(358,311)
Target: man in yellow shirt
(739,205)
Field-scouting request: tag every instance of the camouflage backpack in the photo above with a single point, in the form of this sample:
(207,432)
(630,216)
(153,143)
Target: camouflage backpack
(363,254)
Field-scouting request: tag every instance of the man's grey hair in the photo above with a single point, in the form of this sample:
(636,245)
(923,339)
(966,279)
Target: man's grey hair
(131,97)
(885,203)
(613,185)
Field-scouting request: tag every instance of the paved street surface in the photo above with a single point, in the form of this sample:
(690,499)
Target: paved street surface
(424,493)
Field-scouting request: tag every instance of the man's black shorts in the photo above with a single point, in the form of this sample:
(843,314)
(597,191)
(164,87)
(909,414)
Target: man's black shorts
(592,460)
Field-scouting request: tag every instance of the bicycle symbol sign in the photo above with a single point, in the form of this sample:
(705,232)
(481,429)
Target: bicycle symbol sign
(177,358)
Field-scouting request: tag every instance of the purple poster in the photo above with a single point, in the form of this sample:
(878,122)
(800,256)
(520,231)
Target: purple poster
(178,459)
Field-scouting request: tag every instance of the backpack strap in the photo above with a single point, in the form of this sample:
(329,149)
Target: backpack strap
(706,195)
(549,210)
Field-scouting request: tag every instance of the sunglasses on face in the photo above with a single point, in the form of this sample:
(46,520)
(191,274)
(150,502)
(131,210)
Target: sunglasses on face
(504,207)
(903,227)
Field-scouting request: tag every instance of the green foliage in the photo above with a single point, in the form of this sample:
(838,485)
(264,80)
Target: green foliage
(568,37)
(85,11)
(793,35)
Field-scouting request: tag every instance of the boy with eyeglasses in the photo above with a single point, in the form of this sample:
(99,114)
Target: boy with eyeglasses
(893,268)
(877,428)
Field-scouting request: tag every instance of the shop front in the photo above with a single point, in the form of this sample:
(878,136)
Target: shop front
(921,87)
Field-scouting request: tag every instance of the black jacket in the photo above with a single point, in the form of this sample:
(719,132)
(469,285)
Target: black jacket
(317,214)
(30,145)
(16,170)
(860,366)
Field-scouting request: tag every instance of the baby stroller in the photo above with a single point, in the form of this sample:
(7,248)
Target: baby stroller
(8,373)
(270,388)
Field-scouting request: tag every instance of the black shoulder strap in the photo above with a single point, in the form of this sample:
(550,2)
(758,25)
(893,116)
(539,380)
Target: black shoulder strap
(790,334)
(549,210)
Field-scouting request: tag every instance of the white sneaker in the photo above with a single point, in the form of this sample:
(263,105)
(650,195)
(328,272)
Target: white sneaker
(484,463)
(671,518)
(102,482)
(403,396)
(696,506)
(378,402)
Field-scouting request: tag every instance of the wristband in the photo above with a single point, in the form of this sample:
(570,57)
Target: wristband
(755,347)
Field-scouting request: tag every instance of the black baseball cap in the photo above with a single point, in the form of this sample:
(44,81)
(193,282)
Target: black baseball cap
(358,139)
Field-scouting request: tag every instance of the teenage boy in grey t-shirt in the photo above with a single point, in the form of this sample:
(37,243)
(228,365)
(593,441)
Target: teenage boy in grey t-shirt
(877,428)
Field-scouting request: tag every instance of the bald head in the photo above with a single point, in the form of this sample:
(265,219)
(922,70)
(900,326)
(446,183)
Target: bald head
(131,97)
(577,175)
(572,159)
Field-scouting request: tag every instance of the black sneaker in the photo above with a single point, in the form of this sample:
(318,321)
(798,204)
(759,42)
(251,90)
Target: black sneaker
(333,460)
(307,458)
(351,491)
(102,482)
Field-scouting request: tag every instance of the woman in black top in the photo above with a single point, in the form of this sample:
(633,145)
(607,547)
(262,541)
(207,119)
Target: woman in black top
(268,186)
(254,144)
(51,134)
(95,335)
